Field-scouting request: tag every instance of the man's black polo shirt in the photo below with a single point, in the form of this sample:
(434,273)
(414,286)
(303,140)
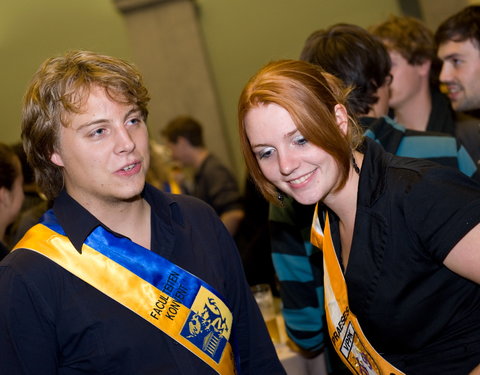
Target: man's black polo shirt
(51,322)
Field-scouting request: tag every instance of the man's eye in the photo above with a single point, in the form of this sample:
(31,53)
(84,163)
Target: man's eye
(97,132)
(134,121)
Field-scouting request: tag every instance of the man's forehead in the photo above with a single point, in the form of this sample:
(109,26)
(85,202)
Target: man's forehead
(395,54)
(79,102)
(79,96)
(458,47)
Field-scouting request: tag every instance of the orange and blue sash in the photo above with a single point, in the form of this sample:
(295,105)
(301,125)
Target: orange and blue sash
(346,334)
(178,303)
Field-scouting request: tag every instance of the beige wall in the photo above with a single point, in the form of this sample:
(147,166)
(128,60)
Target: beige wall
(434,11)
(239,37)
(32,30)
(243,35)
(169,48)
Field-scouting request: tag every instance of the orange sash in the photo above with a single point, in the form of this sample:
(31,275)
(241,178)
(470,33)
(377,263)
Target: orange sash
(345,333)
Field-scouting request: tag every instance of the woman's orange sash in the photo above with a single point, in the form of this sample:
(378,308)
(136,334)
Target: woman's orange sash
(345,333)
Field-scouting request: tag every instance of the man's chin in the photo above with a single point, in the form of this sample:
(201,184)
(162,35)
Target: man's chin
(460,107)
(131,195)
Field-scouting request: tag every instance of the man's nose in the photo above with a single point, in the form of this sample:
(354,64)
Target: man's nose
(123,141)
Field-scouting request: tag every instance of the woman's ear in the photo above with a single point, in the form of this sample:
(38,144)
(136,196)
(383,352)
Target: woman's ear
(56,159)
(341,117)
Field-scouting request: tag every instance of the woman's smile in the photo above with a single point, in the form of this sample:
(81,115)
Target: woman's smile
(301,181)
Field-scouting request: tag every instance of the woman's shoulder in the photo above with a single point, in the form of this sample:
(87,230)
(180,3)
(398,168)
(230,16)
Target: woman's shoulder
(425,173)
(416,181)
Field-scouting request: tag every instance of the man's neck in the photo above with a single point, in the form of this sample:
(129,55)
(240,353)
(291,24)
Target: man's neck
(3,229)
(199,157)
(373,113)
(128,218)
(415,112)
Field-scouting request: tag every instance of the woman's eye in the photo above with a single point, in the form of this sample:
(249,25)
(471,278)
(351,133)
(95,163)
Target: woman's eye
(264,154)
(300,141)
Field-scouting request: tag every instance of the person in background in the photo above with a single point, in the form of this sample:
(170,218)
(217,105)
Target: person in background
(32,196)
(399,236)
(26,219)
(163,174)
(11,193)
(34,204)
(118,277)
(213,182)
(415,98)
(353,55)
(253,238)
(458,46)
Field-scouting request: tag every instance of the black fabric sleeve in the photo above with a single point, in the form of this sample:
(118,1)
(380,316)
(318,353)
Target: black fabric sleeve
(27,331)
(441,207)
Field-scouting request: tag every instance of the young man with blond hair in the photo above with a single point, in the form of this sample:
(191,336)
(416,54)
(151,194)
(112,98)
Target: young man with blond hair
(118,277)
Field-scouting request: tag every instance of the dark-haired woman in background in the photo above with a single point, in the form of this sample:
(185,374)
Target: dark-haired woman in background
(11,192)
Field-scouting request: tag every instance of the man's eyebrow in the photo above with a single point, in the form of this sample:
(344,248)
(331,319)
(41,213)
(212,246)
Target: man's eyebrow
(103,120)
(453,55)
(91,123)
(133,110)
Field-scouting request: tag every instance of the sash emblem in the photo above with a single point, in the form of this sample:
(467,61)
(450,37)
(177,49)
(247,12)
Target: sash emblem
(207,324)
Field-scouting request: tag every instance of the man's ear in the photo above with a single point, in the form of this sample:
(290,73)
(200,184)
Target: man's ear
(56,159)
(4,196)
(183,142)
(424,68)
(341,117)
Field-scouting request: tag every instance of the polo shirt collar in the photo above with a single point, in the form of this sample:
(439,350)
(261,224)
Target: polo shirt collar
(77,222)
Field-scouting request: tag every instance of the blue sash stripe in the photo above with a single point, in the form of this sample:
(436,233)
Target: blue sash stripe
(146,264)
